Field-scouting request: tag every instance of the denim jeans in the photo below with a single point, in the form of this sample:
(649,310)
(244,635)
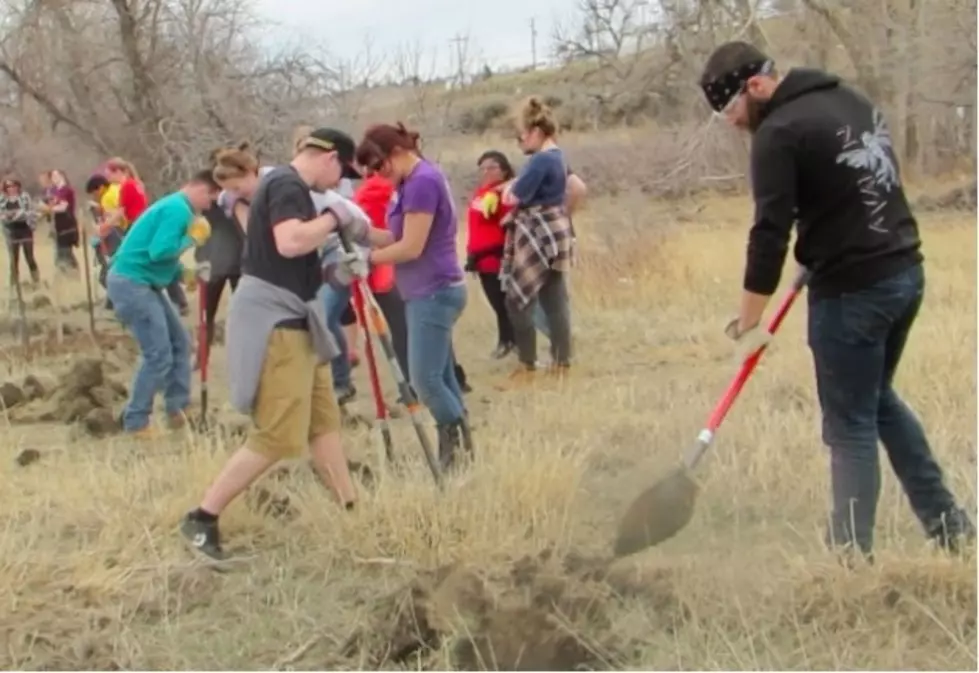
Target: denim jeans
(430,323)
(165,347)
(857,340)
(336,301)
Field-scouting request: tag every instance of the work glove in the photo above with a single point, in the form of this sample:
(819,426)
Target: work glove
(749,341)
(489,204)
(199,230)
(189,278)
(351,219)
(344,268)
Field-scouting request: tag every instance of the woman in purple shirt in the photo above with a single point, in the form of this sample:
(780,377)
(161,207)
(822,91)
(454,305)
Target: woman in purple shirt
(422,218)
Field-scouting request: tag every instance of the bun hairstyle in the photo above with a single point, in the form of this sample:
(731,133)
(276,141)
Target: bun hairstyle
(382,140)
(234,162)
(534,113)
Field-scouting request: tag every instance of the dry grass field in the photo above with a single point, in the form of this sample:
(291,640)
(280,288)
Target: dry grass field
(506,568)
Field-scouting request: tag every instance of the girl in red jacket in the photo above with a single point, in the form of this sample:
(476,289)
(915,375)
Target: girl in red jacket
(373,195)
(484,249)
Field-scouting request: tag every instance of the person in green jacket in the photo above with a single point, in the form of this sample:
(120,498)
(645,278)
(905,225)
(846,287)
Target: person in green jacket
(147,261)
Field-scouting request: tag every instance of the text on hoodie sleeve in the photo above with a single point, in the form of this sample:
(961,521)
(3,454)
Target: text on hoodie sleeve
(773,184)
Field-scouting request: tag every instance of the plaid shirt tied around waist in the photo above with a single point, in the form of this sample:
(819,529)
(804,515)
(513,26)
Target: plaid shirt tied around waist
(538,240)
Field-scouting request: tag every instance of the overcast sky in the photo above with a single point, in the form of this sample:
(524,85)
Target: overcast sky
(499,30)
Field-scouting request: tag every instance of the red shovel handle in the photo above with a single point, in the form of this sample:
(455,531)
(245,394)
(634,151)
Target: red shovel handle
(748,366)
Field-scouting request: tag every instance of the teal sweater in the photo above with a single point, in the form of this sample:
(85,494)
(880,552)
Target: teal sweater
(150,252)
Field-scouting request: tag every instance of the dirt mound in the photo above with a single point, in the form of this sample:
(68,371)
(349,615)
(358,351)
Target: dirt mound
(84,393)
(535,617)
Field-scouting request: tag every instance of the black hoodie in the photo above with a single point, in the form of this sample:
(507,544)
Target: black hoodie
(822,155)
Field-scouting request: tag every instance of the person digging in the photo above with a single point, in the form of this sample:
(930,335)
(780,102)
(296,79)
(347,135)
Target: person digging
(278,346)
(821,156)
(147,261)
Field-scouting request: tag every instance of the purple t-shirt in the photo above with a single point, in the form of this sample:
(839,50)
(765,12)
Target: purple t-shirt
(426,190)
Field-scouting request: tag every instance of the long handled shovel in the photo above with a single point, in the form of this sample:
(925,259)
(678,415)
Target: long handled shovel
(380,327)
(380,405)
(664,509)
(203,348)
(88,287)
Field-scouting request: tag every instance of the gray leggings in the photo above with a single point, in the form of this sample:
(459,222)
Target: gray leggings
(553,298)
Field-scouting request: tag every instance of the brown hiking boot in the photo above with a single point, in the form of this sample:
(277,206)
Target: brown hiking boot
(519,377)
(178,420)
(147,434)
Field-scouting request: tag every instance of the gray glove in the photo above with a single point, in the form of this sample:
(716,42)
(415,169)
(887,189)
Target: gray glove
(351,219)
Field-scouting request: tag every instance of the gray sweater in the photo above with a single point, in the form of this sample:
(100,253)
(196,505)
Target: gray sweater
(256,308)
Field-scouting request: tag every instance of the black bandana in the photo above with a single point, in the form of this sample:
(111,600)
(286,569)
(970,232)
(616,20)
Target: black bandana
(722,90)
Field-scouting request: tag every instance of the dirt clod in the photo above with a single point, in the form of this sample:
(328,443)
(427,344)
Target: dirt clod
(84,394)
(40,301)
(33,387)
(27,457)
(11,395)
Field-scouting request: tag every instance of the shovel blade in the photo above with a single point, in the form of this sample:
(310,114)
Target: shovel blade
(657,514)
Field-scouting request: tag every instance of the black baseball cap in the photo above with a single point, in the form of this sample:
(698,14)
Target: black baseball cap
(332,140)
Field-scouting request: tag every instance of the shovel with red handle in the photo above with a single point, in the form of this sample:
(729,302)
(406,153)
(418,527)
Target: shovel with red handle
(203,348)
(664,509)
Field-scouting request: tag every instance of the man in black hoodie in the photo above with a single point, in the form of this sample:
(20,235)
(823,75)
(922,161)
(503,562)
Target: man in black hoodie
(821,156)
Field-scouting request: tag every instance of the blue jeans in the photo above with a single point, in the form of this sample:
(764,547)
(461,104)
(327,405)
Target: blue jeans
(857,340)
(430,360)
(336,301)
(165,347)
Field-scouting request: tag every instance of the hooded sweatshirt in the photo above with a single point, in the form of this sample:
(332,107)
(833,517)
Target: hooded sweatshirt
(822,155)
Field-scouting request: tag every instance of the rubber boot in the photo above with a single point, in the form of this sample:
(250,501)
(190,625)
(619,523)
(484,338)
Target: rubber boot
(448,445)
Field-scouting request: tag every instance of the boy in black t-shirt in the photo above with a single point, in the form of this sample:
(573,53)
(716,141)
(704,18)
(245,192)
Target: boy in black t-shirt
(278,345)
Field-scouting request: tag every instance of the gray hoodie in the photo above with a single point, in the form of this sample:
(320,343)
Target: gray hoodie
(256,308)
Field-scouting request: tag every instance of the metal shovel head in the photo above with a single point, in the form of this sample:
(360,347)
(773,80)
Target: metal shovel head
(657,514)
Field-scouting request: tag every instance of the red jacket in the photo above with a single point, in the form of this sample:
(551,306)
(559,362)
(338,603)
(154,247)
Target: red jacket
(374,196)
(485,233)
(132,199)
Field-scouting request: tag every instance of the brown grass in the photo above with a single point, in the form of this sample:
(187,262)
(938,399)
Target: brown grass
(93,576)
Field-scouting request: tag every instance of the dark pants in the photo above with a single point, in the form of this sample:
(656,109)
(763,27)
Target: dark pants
(393,308)
(553,299)
(857,340)
(212,298)
(64,257)
(20,237)
(497,301)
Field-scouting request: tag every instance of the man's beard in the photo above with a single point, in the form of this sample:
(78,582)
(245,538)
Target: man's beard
(755,112)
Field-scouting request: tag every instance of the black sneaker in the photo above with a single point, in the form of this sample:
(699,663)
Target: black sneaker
(954,531)
(202,536)
(345,394)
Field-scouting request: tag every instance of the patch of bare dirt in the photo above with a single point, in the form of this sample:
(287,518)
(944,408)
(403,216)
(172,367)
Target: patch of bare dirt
(545,614)
(83,394)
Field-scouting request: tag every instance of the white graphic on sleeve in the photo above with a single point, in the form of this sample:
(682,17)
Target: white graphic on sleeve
(870,154)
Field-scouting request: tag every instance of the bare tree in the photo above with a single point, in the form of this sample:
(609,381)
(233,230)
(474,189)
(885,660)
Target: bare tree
(415,69)
(161,82)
